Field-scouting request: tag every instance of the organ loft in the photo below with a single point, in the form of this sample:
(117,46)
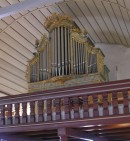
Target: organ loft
(67,57)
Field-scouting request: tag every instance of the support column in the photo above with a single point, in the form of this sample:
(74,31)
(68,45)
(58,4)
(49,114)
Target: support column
(63,138)
(62,134)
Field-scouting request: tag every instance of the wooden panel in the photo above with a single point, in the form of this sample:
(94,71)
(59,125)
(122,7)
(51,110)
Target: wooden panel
(121,2)
(107,21)
(98,20)
(45,12)
(30,27)
(22,31)
(8,19)
(53,9)
(12,61)
(89,23)
(35,23)
(39,16)
(122,25)
(3,25)
(14,86)
(2,94)
(13,78)
(11,52)
(8,90)
(13,1)
(4,3)
(127,21)
(67,10)
(127,4)
(12,69)
(110,11)
(15,45)
(20,39)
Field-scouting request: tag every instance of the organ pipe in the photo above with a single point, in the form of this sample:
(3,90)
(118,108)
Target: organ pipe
(53,55)
(62,48)
(59,53)
(55,52)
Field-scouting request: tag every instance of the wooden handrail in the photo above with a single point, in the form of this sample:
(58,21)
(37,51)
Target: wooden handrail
(70,91)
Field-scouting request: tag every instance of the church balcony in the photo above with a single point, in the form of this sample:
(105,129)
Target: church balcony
(78,107)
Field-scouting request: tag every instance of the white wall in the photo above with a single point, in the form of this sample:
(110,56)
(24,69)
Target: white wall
(116,55)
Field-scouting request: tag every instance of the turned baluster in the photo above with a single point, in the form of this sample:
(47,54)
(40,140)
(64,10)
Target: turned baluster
(6,114)
(129,100)
(81,110)
(20,113)
(100,105)
(110,106)
(45,110)
(13,113)
(53,109)
(1,114)
(36,110)
(62,108)
(90,106)
(120,102)
(28,110)
(71,107)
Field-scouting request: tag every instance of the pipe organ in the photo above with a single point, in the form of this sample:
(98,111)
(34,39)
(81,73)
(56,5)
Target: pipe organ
(65,58)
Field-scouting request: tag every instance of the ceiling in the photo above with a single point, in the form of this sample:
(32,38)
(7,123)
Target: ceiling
(107,21)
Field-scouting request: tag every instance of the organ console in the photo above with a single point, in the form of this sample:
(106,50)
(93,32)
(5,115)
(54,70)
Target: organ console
(65,58)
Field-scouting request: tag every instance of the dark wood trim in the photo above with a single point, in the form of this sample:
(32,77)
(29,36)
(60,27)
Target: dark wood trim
(66,124)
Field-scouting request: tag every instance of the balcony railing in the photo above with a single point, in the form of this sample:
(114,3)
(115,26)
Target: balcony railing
(108,99)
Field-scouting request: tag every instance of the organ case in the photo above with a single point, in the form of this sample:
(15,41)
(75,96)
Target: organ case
(65,58)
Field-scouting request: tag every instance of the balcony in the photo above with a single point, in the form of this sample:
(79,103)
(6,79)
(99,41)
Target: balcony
(68,112)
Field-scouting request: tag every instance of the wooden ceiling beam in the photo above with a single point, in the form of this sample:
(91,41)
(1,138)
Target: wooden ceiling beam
(25,5)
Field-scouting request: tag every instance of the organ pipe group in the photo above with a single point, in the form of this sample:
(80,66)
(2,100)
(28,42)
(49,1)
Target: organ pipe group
(65,52)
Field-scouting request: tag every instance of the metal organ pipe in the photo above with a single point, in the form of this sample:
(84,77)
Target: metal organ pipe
(81,61)
(59,52)
(62,49)
(43,59)
(65,53)
(55,52)
(74,64)
(76,50)
(79,57)
(84,59)
(69,51)
(41,69)
(47,62)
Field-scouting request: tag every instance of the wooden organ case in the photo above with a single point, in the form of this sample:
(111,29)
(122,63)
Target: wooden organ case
(66,58)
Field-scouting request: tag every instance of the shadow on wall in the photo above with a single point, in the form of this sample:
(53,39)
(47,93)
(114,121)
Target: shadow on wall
(117,58)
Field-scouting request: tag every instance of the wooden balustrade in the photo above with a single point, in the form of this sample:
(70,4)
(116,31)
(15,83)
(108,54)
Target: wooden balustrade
(81,102)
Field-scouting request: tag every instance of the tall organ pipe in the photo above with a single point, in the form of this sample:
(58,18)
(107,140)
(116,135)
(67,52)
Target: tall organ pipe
(59,53)
(62,48)
(55,52)
(79,53)
(81,60)
(66,59)
(74,64)
(43,59)
(47,61)
(69,51)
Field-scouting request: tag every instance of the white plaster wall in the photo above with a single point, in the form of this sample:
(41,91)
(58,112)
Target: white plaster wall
(116,56)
